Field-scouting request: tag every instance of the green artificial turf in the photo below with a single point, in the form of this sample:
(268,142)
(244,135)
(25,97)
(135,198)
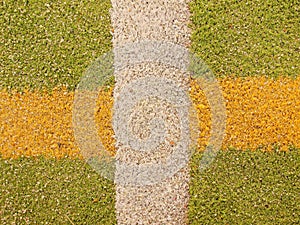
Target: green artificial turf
(45,44)
(49,191)
(247,38)
(247,187)
(240,187)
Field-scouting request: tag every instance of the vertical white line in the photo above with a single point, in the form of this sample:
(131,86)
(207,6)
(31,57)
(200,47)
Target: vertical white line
(157,20)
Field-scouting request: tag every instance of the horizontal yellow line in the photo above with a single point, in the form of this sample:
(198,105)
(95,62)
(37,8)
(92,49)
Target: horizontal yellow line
(261,113)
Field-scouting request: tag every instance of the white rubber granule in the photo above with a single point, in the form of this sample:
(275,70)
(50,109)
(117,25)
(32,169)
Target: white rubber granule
(157,20)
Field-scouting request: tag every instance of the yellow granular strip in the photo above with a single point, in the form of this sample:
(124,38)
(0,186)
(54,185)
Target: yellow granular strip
(261,113)
(35,123)
(103,117)
(202,107)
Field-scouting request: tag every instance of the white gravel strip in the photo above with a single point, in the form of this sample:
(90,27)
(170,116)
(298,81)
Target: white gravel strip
(136,20)
(162,20)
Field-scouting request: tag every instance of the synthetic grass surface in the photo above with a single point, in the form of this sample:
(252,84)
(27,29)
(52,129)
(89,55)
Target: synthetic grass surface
(45,44)
(246,187)
(49,44)
(241,187)
(247,38)
(51,191)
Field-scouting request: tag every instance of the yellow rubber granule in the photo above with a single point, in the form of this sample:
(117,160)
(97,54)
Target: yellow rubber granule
(35,123)
(261,113)
(103,118)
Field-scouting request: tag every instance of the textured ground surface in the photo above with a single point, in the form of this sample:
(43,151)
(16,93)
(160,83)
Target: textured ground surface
(48,45)
(165,202)
(261,113)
